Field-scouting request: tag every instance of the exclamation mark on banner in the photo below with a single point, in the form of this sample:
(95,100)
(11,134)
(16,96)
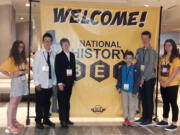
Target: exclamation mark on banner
(142,20)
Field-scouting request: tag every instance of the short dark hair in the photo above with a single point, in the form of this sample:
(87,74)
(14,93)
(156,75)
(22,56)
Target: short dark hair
(63,40)
(146,33)
(47,35)
(128,53)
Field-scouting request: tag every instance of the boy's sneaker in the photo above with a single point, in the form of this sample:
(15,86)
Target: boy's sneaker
(18,125)
(131,124)
(146,124)
(13,130)
(162,124)
(172,127)
(126,122)
(139,121)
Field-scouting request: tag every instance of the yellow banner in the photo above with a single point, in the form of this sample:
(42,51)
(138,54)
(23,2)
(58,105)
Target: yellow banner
(99,35)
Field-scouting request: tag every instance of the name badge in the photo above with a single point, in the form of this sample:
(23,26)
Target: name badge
(23,78)
(126,86)
(45,69)
(164,70)
(69,72)
(142,67)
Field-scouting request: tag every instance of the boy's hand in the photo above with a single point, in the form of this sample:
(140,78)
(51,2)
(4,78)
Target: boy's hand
(38,87)
(74,83)
(141,82)
(119,90)
(54,87)
(134,95)
(61,87)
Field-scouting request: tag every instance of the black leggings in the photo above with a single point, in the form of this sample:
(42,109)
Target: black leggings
(169,96)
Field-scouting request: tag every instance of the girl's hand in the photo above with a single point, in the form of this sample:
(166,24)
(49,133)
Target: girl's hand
(119,90)
(17,73)
(26,71)
(11,75)
(161,83)
(164,84)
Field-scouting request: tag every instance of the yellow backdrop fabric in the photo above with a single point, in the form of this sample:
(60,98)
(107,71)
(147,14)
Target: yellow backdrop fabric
(99,35)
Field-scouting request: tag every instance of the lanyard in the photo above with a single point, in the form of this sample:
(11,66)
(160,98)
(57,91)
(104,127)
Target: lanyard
(144,54)
(127,73)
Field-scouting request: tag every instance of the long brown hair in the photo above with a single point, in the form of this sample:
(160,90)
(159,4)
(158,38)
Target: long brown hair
(174,53)
(19,58)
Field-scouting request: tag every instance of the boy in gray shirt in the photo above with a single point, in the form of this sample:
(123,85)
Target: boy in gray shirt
(146,60)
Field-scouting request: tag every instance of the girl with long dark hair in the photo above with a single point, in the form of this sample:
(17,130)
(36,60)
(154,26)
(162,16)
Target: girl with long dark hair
(169,82)
(15,67)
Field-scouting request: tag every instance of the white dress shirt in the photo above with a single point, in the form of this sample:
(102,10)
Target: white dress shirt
(68,55)
(40,61)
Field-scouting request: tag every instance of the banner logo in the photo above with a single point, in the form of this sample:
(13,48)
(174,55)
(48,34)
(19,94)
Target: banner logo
(98,109)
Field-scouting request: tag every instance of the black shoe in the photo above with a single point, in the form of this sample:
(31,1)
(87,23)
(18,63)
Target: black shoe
(146,124)
(162,124)
(70,122)
(139,121)
(39,125)
(48,123)
(171,128)
(64,124)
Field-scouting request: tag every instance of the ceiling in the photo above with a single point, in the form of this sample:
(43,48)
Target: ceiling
(171,9)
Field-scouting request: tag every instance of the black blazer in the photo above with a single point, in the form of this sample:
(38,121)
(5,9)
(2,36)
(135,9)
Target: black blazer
(61,65)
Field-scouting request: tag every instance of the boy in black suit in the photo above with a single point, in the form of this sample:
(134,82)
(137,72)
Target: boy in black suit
(66,75)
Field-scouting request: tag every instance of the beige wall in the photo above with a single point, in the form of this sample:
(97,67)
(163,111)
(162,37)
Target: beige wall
(22,33)
(7,29)
(35,32)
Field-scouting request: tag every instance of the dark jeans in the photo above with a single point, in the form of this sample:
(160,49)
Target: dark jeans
(147,99)
(169,96)
(43,104)
(64,102)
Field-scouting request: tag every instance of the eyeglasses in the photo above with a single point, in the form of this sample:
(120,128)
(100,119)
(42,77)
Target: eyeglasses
(47,41)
